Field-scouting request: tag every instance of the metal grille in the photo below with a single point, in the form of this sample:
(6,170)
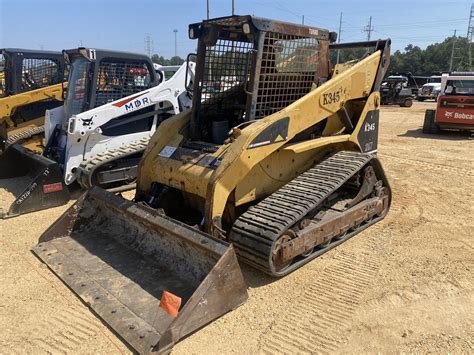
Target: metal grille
(226,66)
(117,80)
(39,73)
(289,65)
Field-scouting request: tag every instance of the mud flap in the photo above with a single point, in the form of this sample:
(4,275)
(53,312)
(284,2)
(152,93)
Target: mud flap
(43,181)
(119,257)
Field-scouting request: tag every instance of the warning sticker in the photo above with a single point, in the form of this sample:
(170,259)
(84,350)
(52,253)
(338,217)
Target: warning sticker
(167,151)
(57,186)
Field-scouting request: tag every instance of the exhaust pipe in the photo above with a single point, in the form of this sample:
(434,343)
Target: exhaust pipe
(40,179)
(126,260)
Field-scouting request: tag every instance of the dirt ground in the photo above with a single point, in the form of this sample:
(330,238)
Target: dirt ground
(404,285)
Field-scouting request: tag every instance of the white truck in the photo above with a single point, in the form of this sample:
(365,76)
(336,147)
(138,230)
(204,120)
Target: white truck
(431,89)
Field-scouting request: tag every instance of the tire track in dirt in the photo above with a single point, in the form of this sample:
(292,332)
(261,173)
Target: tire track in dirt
(429,166)
(64,331)
(57,330)
(328,304)
(457,285)
(404,297)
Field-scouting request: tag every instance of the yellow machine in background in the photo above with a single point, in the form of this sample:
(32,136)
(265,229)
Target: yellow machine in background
(30,84)
(275,164)
(2,78)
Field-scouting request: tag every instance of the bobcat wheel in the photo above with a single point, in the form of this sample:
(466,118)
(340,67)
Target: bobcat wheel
(429,124)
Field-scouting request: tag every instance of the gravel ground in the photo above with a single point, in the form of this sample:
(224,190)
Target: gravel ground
(403,285)
(10,189)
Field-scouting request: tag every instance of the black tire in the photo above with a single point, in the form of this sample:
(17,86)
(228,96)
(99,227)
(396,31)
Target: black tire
(420,99)
(429,124)
(407,103)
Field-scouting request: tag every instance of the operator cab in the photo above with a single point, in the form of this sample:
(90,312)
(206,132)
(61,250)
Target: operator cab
(460,86)
(249,68)
(24,70)
(99,76)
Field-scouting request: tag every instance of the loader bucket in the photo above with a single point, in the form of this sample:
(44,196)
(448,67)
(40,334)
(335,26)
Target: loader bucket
(120,257)
(31,182)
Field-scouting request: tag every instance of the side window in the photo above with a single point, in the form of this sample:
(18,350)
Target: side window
(287,73)
(296,55)
(77,89)
(461,87)
(169,74)
(226,66)
(39,73)
(120,79)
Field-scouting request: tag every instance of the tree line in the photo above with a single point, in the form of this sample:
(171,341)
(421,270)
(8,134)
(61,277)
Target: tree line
(434,58)
(159,59)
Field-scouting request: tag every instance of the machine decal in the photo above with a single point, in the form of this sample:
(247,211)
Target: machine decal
(134,104)
(275,133)
(55,187)
(333,97)
(461,116)
(30,189)
(167,151)
(26,194)
(87,121)
(192,156)
(92,54)
(368,134)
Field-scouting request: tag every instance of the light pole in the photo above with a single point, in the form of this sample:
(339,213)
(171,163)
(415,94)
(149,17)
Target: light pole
(175,42)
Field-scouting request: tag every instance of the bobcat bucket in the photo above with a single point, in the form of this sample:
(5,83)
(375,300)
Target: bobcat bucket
(124,260)
(33,181)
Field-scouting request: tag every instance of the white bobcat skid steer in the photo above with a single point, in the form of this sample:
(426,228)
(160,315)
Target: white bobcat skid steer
(102,146)
(112,105)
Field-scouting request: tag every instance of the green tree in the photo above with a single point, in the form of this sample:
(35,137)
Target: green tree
(435,58)
(176,60)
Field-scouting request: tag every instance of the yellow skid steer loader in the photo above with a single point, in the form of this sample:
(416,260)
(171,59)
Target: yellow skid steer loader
(275,164)
(31,83)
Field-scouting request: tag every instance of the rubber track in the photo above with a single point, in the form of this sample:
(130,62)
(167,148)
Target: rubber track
(255,231)
(89,166)
(24,135)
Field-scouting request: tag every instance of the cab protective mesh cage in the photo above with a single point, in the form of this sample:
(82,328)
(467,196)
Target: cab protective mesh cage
(39,73)
(226,66)
(288,70)
(119,79)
